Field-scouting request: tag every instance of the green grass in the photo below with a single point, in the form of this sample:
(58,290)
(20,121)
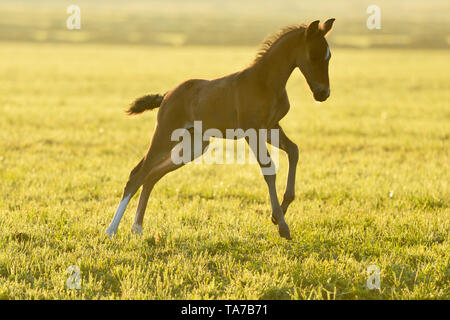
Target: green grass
(66,149)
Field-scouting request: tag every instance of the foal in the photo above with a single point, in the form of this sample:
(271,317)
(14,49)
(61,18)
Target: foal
(254,98)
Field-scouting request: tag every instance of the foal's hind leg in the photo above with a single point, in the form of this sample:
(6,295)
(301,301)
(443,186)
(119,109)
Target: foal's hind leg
(112,229)
(155,175)
(143,199)
(159,148)
(157,172)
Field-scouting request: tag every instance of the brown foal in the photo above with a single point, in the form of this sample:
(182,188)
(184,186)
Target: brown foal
(254,98)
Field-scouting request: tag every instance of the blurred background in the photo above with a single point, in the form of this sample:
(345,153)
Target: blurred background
(372,180)
(405,23)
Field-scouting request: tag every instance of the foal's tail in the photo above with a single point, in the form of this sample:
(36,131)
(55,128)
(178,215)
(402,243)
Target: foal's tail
(147,102)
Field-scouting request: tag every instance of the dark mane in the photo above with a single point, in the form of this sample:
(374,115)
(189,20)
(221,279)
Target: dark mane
(270,40)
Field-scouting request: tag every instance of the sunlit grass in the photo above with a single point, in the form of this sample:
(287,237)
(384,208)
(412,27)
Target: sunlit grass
(372,181)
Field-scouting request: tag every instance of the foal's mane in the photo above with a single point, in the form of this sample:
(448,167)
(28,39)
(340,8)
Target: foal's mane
(272,39)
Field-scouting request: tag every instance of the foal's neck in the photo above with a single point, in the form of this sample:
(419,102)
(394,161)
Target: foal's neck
(275,67)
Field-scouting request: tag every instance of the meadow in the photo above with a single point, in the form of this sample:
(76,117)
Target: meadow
(372,181)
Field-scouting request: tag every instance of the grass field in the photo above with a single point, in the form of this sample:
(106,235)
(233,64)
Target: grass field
(372,181)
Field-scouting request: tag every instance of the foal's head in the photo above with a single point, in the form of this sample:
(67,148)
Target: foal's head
(314,57)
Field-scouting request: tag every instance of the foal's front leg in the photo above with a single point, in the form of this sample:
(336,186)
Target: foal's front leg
(292,151)
(268,170)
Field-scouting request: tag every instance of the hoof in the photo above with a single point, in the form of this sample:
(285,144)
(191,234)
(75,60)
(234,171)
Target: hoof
(283,230)
(137,229)
(111,232)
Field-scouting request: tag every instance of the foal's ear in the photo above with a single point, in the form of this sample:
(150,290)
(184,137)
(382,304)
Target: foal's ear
(326,26)
(312,30)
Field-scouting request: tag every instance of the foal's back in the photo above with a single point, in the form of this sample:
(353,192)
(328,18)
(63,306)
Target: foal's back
(211,101)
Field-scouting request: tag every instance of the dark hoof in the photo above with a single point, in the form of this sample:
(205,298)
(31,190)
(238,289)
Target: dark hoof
(283,230)
(274,221)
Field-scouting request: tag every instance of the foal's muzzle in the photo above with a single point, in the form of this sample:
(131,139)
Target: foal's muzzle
(322,94)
